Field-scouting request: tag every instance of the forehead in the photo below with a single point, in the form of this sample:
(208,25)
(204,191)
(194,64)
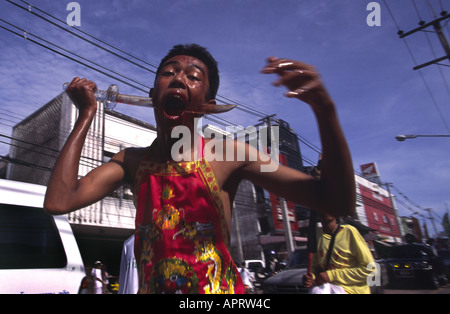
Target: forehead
(186,61)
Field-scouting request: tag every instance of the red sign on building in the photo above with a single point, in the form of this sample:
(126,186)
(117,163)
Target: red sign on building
(379,211)
(370,172)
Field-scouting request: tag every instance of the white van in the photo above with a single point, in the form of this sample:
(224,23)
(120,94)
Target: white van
(38,252)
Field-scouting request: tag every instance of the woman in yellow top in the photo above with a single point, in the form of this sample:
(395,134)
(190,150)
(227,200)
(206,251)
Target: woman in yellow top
(349,259)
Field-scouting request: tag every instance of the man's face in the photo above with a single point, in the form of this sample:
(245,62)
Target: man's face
(326,218)
(182,81)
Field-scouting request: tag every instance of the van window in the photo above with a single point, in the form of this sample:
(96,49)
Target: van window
(254,266)
(29,238)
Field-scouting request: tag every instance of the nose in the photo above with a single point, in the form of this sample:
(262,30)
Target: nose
(178,81)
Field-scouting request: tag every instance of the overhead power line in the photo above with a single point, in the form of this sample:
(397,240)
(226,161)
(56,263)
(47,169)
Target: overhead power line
(26,35)
(93,66)
(407,199)
(443,40)
(62,25)
(122,54)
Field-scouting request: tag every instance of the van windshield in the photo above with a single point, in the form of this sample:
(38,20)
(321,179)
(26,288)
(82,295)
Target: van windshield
(29,238)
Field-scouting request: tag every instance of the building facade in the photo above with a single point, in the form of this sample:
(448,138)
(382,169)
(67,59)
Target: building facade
(375,208)
(263,208)
(101,228)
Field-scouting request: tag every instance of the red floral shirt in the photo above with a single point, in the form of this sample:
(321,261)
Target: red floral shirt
(181,240)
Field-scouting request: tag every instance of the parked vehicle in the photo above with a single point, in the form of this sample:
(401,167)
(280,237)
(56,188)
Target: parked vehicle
(415,263)
(445,255)
(257,272)
(254,264)
(290,280)
(38,252)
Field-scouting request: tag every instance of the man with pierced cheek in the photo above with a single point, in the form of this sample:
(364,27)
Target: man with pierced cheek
(183,208)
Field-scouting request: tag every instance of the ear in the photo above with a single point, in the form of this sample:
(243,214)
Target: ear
(150,93)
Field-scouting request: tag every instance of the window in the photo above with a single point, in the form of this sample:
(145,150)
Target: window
(375,216)
(29,239)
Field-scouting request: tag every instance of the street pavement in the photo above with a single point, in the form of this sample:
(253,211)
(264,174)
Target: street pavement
(441,290)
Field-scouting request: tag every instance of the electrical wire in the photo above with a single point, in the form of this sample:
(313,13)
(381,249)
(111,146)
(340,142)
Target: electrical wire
(417,10)
(441,115)
(409,208)
(441,72)
(72,58)
(88,161)
(26,35)
(220,98)
(426,34)
(432,9)
(407,199)
(93,37)
(64,28)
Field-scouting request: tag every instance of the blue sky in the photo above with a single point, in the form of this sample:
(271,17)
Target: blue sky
(367,70)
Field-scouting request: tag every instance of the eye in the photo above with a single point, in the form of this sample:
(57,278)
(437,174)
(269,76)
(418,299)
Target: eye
(193,78)
(167,73)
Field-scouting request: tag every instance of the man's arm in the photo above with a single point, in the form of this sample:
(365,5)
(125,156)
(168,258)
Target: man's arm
(65,192)
(334,192)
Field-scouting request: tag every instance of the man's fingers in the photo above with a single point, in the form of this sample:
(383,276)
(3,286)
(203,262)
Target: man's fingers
(301,91)
(295,78)
(275,65)
(82,83)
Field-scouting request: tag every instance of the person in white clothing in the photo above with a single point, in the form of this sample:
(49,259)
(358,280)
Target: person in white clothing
(246,278)
(97,276)
(129,280)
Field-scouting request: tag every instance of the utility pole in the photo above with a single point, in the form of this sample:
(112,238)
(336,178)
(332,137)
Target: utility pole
(238,234)
(432,220)
(284,210)
(287,227)
(394,207)
(438,30)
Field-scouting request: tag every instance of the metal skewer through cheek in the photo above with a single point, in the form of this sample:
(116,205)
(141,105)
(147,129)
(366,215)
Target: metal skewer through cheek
(111,97)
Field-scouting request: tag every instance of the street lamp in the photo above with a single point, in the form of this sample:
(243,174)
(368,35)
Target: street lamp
(401,138)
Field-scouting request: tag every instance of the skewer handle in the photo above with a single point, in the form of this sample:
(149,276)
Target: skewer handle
(111,97)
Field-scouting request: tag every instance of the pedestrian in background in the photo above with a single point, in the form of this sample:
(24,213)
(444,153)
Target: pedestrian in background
(129,278)
(341,260)
(98,276)
(246,278)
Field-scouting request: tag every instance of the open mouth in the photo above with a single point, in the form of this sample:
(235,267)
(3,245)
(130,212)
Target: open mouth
(174,106)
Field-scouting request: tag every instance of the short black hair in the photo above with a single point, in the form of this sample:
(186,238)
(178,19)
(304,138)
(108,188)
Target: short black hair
(201,53)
